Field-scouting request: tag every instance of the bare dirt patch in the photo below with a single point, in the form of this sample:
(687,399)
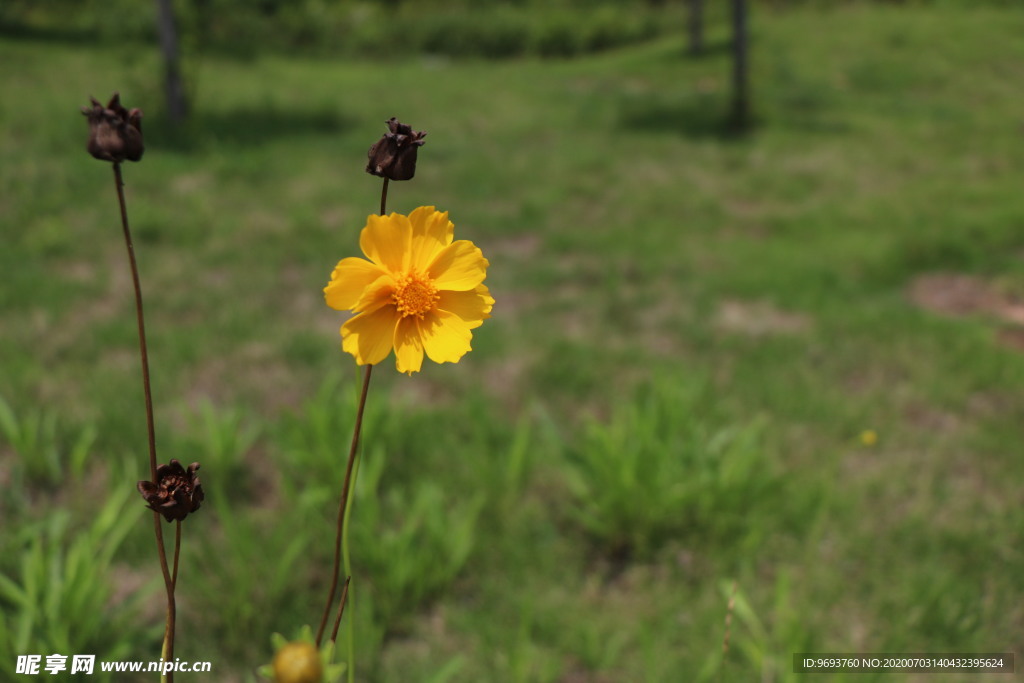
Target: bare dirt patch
(959,295)
(1012,337)
(758,319)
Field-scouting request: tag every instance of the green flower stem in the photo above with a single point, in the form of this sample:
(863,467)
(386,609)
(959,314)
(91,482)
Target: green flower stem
(728,630)
(168,647)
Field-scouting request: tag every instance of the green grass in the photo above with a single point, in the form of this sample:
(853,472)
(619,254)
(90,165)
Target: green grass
(658,285)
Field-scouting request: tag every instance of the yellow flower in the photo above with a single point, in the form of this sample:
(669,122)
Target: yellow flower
(420,291)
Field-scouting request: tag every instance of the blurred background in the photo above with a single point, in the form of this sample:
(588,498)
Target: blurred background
(756,351)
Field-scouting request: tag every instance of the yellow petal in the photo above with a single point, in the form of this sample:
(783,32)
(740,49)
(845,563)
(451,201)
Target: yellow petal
(459,267)
(445,336)
(385,241)
(377,294)
(408,345)
(474,306)
(348,281)
(431,232)
(370,336)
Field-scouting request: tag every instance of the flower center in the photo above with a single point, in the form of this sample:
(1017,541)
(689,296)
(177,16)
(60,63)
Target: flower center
(175,483)
(415,295)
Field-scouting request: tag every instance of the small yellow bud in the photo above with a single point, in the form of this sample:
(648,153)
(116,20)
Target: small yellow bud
(298,662)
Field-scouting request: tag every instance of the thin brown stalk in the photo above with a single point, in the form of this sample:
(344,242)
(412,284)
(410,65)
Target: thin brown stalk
(167,651)
(169,582)
(143,353)
(341,609)
(172,606)
(177,552)
(353,449)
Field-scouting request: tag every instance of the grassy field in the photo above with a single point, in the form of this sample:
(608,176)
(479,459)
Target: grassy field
(789,362)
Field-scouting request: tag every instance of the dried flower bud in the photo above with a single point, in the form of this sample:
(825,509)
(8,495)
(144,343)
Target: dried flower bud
(175,493)
(115,133)
(394,155)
